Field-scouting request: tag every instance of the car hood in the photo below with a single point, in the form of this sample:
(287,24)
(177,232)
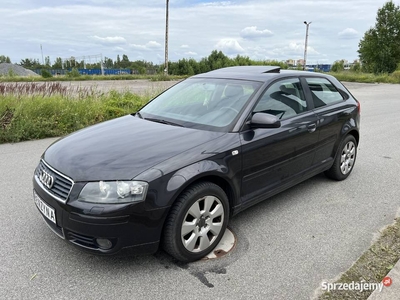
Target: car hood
(121,149)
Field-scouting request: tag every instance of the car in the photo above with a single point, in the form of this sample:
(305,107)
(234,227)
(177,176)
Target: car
(174,173)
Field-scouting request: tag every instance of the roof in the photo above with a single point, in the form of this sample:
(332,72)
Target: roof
(259,73)
(247,70)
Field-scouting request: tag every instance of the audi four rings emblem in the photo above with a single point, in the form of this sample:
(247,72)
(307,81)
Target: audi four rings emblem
(46,179)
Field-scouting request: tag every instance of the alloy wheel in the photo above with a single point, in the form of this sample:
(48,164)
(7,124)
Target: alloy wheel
(202,224)
(348,157)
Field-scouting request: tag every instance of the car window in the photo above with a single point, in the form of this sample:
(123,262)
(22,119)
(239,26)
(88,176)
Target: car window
(202,103)
(284,99)
(323,92)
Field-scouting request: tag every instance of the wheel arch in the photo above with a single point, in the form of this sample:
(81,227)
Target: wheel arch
(217,179)
(356,135)
(350,127)
(222,183)
(219,172)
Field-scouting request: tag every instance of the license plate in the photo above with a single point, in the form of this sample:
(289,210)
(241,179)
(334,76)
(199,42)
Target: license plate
(45,209)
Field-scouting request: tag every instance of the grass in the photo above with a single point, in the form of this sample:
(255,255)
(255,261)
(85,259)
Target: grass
(372,266)
(156,77)
(39,110)
(348,76)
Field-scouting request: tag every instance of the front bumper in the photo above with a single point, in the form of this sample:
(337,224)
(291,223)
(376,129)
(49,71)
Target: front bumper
(122,225)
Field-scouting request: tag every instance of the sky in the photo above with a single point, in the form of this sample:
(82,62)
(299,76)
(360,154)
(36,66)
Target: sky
(260,29)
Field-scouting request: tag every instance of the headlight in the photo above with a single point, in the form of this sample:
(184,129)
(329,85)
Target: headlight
(114,192)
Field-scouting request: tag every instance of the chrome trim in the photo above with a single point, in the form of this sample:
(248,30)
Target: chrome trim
(46,179)
(48,192)
(60,174)
(59,235)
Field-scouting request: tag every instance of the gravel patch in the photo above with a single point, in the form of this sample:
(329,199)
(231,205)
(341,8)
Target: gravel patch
(6,68)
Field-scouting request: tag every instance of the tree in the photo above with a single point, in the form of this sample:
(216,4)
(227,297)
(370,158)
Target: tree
(379,49)
(355,67)
(108,63)
(243,61)
(338,66)
(125,63)
(31,63)
(47,62)
(58,63)
(117,64)
(4,59)
(219,60)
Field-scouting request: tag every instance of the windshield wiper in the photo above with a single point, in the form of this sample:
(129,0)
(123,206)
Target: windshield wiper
(139,115)
(163,122)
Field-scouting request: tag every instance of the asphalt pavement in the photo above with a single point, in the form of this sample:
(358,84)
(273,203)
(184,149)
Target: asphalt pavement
(286,247)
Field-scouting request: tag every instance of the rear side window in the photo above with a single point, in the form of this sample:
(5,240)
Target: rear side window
(323,92)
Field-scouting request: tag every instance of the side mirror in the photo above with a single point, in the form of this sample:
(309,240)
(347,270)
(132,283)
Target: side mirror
(263,120)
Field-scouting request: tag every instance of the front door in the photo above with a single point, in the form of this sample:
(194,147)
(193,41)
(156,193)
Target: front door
(273,158)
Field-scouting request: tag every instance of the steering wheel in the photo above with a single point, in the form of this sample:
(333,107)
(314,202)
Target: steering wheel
(228,107)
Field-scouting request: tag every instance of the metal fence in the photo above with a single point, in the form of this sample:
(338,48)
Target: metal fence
(96,71)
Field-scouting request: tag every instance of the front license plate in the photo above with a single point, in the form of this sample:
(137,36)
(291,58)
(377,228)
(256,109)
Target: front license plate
(45,209)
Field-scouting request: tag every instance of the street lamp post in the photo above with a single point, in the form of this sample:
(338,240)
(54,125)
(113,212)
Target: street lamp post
(166,39)
(306,44)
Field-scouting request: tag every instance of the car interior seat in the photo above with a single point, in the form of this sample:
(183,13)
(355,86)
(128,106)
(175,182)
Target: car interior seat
(292,103)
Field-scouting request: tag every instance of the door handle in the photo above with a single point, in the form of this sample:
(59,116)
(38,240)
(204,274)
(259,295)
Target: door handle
(312,127)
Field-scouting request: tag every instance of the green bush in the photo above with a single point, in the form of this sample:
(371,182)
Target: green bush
(142,70)
(74,73)
(356,67)
(396,75)
(338,66)
(46,73)
(11,73)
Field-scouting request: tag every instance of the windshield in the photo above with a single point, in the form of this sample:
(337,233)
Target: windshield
(201,103)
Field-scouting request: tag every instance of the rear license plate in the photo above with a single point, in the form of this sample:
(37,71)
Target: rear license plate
(44,208)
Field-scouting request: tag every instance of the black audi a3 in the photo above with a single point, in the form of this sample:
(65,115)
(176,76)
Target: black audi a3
(175,172)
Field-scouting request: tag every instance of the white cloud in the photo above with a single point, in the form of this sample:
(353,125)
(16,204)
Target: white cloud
(119,49)
(217,3)
(292,50)
(184,46)
(152,45)
(253,33)
(229,46)
(110,39)
(191,53)
(348,33)
(138,47)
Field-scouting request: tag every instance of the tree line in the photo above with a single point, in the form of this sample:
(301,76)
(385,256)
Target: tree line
(216,60)
(59,63)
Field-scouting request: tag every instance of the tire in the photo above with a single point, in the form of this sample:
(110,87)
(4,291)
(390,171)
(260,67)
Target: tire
(197,222)
(345,159)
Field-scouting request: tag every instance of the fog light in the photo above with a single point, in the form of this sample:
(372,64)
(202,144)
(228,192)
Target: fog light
(104,243)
